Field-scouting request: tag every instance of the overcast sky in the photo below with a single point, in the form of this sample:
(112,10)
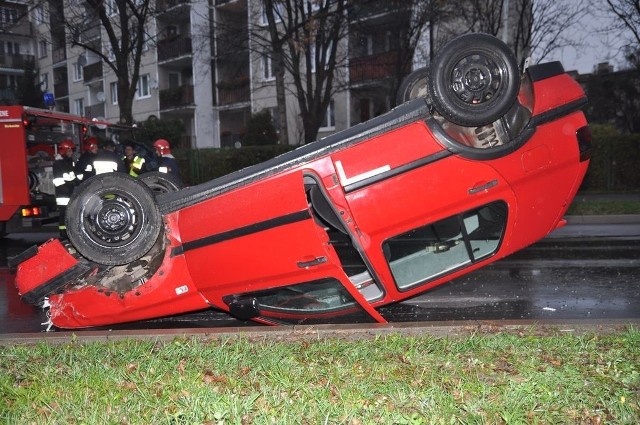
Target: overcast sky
(597,47)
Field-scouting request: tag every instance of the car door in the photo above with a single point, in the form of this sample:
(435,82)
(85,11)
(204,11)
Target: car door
(419,210)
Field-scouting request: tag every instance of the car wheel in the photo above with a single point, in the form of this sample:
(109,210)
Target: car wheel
(413,86)
(474,80)
(113,219)
(161,182)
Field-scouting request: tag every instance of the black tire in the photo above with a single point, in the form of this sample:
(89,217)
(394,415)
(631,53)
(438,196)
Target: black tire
(161,182)
(414,86)
(113,219)
(474,80)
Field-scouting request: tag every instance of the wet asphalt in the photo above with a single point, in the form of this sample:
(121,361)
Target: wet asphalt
(588,270)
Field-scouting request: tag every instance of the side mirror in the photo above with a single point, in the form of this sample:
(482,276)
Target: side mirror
(243,309)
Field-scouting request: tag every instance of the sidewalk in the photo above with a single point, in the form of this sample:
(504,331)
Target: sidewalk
(599,226)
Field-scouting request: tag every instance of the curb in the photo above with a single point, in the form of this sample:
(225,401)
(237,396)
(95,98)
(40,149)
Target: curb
(603,219)
(445,329)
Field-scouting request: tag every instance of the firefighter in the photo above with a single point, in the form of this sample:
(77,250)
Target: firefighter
(84,166)
(133,163)
(107,161)
(64,180)
(166,162)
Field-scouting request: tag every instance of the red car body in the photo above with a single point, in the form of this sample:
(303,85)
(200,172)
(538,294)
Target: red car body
(367,217)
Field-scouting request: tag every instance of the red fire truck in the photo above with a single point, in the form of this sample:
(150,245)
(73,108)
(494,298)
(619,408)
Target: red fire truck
(29,137)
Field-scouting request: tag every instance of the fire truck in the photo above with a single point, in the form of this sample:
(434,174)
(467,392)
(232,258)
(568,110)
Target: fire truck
(29,138)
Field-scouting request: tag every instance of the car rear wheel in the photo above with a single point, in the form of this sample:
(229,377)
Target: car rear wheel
(113,219)
(474,80)
(413,86)
(161,182)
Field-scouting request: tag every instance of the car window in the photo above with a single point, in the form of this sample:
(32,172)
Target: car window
(327,298)
(431,251)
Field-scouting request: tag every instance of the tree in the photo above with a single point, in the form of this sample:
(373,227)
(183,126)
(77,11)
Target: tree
(411,18)
(125,23)
(303,41)
(627,26)
(546,26)
(260,130)
(29,91)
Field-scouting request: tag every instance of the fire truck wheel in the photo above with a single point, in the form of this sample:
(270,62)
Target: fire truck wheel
(474,80)
(414,86)
(113,219)
(161,182)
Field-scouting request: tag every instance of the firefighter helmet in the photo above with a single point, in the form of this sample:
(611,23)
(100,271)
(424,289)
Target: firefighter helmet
(90,143)
(162,147)
(65,145)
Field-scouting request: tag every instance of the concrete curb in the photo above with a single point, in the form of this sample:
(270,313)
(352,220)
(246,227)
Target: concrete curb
(348,332)
(603,219)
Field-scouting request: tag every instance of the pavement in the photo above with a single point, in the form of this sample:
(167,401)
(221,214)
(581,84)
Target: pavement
(591,227)
(625,226)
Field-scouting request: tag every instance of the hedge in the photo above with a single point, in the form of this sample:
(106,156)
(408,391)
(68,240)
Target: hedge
(615,162)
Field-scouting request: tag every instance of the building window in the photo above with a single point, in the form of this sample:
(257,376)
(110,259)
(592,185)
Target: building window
(113,88)
(267,68)
(42,48)
(39,13)
(77,72)
(143,87)
(44,81)
(78,106)
(329,121)
(277,13)
(12,48)
(8,15)
(174,80)
(112,8)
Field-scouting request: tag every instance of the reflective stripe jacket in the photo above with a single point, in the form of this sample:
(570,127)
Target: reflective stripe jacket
(64,179)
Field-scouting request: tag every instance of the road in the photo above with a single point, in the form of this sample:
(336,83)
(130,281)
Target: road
(557,278)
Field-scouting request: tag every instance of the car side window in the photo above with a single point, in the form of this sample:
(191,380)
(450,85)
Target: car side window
(428,252)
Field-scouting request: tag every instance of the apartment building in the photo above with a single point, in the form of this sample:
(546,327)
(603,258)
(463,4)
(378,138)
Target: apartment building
(203,67)
(16,47)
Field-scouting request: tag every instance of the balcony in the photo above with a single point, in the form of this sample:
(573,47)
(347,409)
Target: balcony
(234,91)
(174,48)
(374,67)
(94,111)
(16,61)
(176,97)
(92,72)
(59,55)
(61,90)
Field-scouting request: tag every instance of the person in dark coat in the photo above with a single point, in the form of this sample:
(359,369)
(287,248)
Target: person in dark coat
(64,181)
(166,161)
(84,166)
(107,161)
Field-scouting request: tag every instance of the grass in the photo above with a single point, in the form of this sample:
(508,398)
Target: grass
(478,379)
(604,207)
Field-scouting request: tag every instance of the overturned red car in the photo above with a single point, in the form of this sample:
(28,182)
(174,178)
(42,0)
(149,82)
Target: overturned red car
(481,160)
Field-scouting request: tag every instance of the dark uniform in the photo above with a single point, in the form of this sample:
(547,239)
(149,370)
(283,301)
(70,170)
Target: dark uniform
(64,181)
(84,166)
(166,162)
(107,161)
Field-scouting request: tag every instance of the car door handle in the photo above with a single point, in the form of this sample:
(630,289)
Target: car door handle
(479,187)
(311,263)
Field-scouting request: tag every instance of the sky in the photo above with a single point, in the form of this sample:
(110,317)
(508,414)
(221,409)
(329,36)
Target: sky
(596,47)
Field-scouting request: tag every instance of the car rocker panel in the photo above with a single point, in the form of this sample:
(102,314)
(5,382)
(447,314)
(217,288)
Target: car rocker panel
(332,231)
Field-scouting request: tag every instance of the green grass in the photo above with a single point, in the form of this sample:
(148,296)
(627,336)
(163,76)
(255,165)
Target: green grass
(604,207)
(479,379)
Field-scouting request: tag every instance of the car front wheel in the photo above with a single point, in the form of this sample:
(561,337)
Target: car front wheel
(113,219)
(474,80)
